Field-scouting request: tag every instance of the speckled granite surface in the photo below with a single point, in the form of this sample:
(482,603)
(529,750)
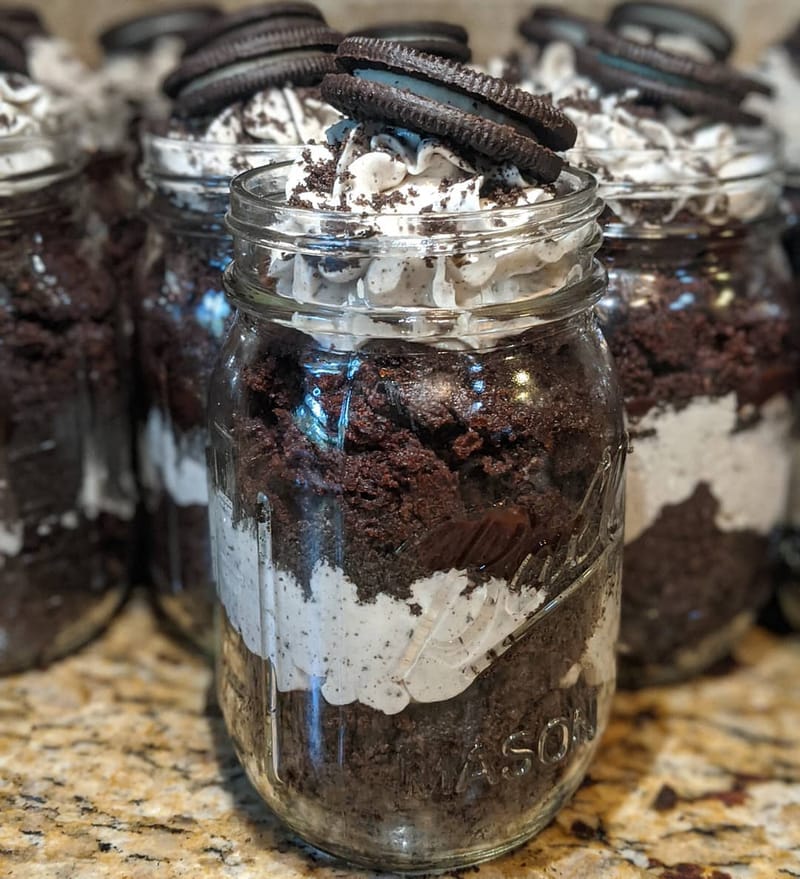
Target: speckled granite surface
(112,767)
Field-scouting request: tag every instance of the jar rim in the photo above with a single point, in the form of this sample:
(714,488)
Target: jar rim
(256,210)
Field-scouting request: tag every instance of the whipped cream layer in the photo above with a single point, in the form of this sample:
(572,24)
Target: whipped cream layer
(100,114)
(782,110)
(32,134)
(272,118)
(387,653)
(654,163)
(393,182)
(173,463)
(746,467)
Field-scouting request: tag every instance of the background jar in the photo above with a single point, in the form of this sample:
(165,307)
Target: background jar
(67,497)
(698,319)
(416,514)
(181,316)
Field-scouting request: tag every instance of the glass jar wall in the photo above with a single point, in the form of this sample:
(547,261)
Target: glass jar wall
(182,315)
(66,489)
(698,319)
(416,515)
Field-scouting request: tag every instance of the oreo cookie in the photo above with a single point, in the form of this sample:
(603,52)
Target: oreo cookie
(254,21)
(550,24)
(139,34)
(432,37)
(661,77)
(792,42)
(24,21)
(13,57)
(388,82)
(235,70)
(664,18)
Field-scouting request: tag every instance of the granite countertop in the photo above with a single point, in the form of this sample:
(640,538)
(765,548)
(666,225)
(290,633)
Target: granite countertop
(114,765)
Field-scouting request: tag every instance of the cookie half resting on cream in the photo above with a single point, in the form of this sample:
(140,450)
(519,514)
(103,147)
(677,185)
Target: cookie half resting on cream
(259,87)
(655,108)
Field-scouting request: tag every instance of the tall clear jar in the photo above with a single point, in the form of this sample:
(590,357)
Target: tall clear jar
(417,521)
(67,497)
(181,316)
(698,317)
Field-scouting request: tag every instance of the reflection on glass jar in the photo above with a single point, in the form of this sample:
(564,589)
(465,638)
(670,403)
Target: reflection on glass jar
(416,515)
(788,546)
(697,317)
(181,317)
(66,489)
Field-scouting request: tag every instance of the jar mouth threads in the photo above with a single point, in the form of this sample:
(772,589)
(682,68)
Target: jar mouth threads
(259,206)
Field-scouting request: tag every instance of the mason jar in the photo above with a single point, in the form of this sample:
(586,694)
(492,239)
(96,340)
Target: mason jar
(67,497)
(698,318)
(181,316)
(417,519)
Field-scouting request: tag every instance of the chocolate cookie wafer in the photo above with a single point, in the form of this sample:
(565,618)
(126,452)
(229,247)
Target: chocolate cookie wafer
(792,42)
(13,58)
(662,77)
(254,21)
(24,21)
(138,34)
(433,37)
(664,18)
(549,24)
(392,83)
(234,70)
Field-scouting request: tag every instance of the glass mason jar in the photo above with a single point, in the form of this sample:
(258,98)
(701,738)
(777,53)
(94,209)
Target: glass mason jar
(416,512)
(698,319)
(67,497)
(181,316)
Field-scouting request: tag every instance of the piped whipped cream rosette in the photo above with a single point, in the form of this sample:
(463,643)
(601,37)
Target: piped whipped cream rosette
(663,125)
(429,140)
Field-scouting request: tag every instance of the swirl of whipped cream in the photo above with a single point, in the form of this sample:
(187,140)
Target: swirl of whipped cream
(654,163)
